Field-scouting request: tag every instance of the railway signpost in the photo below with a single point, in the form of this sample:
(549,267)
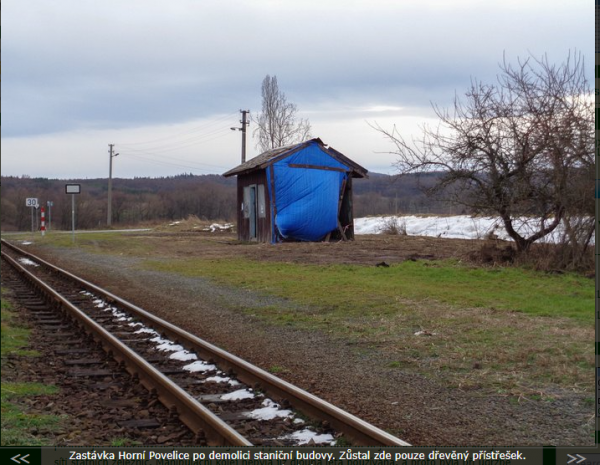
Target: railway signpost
(50,204)
(73,189)
(33,203)
(43,226)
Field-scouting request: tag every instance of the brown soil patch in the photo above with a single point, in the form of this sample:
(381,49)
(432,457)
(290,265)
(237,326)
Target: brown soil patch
(365,250)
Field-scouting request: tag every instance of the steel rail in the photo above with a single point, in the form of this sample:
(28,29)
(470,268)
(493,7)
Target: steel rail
(192,413)
(359,431)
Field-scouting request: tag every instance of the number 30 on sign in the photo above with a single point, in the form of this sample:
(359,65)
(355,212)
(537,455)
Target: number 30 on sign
(31,202)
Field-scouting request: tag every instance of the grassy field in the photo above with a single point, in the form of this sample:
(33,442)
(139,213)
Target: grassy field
(502,330)
(18,426)
(358,288)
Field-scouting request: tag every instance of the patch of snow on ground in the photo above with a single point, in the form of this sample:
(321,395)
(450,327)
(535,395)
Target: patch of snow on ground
(454,227)
(221,227)
(307,436)
(26,242)
(459,226)
(117,314)
(183,355)
(269,411)
(199,365)
(26,261)
(221,379)
(146,331)
(238,395)
(165,345)
(169,346)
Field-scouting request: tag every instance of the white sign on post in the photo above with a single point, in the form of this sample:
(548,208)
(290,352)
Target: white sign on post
(33,203)
(73,189)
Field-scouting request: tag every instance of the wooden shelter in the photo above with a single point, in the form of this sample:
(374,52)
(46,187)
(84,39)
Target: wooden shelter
(302,192)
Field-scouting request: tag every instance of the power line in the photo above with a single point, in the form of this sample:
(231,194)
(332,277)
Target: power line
(179,165)
(202,127)
(172,158)
(182,143)
(149,150)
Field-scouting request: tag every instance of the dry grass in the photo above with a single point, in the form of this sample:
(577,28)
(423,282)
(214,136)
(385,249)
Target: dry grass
(506,353)
(505,332)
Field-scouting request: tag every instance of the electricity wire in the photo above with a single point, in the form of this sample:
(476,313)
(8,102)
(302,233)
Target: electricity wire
(179,165)
(206,132)
(203,127)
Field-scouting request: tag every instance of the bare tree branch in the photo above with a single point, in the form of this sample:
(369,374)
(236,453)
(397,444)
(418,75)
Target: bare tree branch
(516,148)
(277,125)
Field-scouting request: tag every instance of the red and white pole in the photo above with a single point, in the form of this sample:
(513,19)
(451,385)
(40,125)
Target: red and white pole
(43,226)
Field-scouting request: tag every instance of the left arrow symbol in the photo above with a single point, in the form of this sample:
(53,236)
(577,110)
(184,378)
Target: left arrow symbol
(16,458)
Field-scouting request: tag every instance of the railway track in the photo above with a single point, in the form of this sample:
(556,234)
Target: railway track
(221,398)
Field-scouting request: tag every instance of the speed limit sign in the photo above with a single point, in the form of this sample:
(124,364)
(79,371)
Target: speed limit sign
(31,202)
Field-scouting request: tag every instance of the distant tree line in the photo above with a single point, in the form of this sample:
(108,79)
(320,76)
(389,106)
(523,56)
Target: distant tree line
(135,201)
(383,194)
(209,197)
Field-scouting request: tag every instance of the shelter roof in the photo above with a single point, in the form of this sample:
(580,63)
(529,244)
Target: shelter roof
(271,156)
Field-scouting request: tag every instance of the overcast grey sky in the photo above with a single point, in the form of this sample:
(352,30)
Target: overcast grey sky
(164,81)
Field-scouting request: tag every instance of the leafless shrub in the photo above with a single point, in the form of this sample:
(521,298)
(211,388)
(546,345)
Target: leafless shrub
(551,258)
(494,253)
(393,226)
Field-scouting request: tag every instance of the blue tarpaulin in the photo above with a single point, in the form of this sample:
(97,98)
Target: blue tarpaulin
(307,187)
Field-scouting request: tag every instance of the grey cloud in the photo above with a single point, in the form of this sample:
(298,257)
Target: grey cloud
(113,64)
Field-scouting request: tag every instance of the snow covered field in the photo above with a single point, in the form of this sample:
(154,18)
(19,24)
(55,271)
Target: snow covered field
(458,227)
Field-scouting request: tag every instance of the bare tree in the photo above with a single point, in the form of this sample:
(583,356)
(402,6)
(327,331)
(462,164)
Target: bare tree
(277,124)
(517,148)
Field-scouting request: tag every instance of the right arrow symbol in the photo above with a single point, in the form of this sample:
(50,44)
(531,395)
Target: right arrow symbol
(576,458)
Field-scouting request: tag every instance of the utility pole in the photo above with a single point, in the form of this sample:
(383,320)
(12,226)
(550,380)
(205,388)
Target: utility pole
(245,123)
(111,155)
